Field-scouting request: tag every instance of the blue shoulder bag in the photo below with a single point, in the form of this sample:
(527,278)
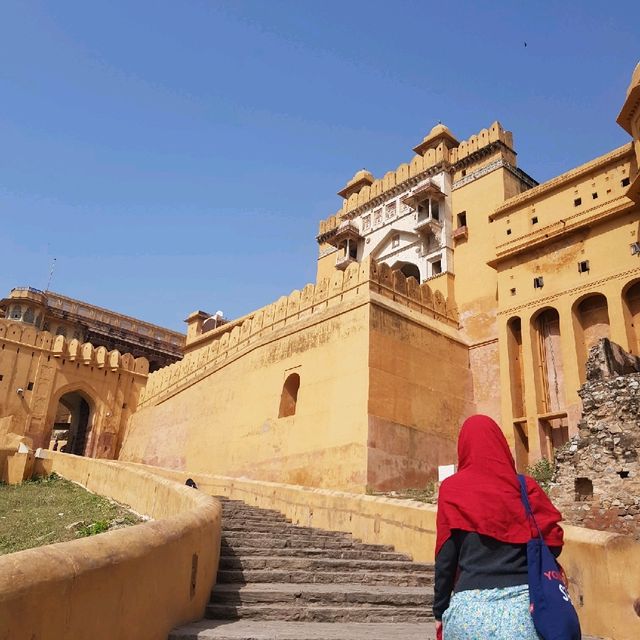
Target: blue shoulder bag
(554,616)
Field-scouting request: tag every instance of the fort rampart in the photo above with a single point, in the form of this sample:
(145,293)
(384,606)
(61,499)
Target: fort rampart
(359,417)
(208,351)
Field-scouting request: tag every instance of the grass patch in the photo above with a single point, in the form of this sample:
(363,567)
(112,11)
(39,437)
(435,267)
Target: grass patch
(52,509)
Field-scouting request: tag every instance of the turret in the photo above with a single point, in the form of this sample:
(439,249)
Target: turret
(629,120)
(25,304)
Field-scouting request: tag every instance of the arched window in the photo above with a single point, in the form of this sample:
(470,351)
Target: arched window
(289,396)
(28,315)
(411,270)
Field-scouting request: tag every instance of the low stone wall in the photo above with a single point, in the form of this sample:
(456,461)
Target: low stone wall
(602,566)
(134,583)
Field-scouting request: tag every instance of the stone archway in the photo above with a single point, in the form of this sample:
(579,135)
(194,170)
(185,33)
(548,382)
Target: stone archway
(408,269)
(73,423)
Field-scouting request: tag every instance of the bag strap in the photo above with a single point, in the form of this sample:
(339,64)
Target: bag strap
(525,500)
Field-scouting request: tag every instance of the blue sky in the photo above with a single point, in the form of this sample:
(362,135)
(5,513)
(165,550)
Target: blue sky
(175,156)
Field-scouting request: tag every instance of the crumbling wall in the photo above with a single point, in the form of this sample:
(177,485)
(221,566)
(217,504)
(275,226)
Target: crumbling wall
(598,471)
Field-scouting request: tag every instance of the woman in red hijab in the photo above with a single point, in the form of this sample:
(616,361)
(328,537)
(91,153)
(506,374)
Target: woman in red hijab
(481,554)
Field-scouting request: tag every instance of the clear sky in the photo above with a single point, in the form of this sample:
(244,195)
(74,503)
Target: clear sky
(178,155)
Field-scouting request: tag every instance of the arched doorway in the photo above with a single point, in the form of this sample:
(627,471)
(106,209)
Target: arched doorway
(550,367)
(592,315)
(631,298)
(72,424)
(553,427)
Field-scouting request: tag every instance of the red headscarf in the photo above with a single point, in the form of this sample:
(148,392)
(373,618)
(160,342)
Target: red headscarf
(484,495)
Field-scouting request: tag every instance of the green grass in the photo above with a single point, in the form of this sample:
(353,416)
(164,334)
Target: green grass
(52,509)
(428,495)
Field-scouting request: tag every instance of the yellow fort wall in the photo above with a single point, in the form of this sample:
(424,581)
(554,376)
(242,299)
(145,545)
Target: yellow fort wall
(583,215)
(217,410)
(53,366)
(135,583)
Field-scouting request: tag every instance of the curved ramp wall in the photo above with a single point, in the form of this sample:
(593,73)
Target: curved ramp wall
(602,567)
(134,583)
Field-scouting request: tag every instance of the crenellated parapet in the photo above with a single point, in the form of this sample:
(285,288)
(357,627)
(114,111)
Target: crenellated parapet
(71,350)
(447,154)
(368,279)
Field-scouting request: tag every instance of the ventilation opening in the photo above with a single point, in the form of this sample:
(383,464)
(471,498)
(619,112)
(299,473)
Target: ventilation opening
(289,397)
(623,474)
(624,182)
(583,489)
(534,220)
(583,266)
(538,282)
(577,202)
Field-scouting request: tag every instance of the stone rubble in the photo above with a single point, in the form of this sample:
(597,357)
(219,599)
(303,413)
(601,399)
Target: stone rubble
(597,483)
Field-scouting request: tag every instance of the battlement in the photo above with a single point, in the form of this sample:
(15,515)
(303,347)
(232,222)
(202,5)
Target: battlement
(433,159)
(72,350)
(208,351)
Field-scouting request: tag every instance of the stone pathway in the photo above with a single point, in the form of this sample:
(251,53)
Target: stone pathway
(278,581)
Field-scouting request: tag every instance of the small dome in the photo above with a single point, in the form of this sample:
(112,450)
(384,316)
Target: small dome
(363,174)
(439,133)
(359,180)
(438,130)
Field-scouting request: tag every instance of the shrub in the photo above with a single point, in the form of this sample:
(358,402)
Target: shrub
(543,472)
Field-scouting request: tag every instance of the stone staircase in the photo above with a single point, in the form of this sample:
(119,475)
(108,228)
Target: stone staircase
(286,582)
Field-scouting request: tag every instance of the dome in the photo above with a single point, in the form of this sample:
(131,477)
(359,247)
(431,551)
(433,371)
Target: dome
(439,133)
(363,174)
(359,180)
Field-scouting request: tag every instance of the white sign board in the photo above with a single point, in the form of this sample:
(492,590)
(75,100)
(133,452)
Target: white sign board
(445,470)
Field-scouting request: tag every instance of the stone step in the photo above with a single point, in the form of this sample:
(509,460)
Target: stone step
(265,630)
(325,594)
(320,541)
(253,519)
(318,613)
(251,563)
(273,528)
(246,576)
(245,509)
(362,554)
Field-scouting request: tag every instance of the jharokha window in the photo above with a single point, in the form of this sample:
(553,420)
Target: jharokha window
(289,397)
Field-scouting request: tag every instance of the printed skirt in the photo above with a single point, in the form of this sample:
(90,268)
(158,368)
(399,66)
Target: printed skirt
(483,614)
